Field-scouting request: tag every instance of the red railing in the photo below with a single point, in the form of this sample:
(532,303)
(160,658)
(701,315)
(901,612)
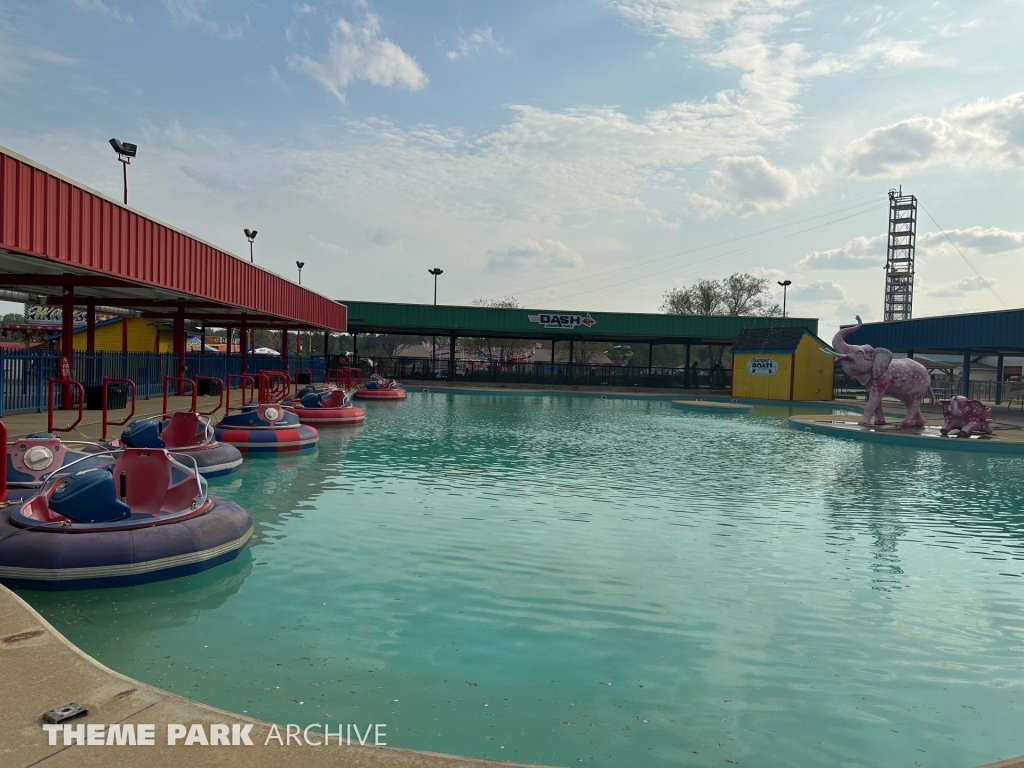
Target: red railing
(67,387)
(126,419)
(220,392)
(181,380)
(279,384)
(242,379)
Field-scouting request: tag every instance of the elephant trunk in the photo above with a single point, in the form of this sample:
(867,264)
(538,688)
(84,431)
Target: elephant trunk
(839,340)
(955,407)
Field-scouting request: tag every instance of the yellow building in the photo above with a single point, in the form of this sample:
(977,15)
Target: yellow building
(143,336)
(781,364)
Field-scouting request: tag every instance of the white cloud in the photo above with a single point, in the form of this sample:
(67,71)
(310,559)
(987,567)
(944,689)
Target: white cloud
(859,253)
(692,19)
(817,291)
(357,52)
(102,9)
(328,246)
(963,286)
(986,132)
(533,255)
(189,13)
(869,252)
(475,42)
(746,185)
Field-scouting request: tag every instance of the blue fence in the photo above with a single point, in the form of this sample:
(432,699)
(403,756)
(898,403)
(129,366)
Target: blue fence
(23,375)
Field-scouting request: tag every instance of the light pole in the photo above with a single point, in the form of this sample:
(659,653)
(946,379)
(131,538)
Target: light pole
(300,265)
(785,284)
(433,344)
(250,235)
(125,153)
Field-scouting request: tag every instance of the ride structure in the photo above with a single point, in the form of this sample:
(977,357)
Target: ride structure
(187,432)
(379,388)
(109,518)
(261,424)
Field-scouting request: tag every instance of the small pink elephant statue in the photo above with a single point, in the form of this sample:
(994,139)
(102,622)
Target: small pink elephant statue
(966,416)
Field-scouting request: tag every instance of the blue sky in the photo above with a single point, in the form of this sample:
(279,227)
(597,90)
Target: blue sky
(581,155)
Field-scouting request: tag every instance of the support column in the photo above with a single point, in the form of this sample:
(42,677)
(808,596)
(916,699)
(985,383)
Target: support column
(965,383)
(179,346)
(650,359)
(67,342)
(451,357)
(999,378)
(202,341)
(227,340)
(355,349)
(910,354)
(90,326)
(686,367)
(284,350)
(243,338)
(124,334)
(327,346)
(569,368)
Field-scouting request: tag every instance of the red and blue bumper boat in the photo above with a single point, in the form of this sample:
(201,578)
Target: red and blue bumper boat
(263,425)
(327,406)
(379,388)
(110,518)
(187,432)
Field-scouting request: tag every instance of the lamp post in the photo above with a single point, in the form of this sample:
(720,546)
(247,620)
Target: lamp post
(300,265)
(125,153)
(250,235)
(433,343)
(785,284)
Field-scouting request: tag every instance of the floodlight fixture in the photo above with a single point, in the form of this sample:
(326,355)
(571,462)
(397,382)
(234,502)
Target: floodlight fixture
(785,284)
(125,152)
(250,235)
(300,265)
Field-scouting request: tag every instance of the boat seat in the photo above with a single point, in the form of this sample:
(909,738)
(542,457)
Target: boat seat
(334,399)
(184,430)
(149,481)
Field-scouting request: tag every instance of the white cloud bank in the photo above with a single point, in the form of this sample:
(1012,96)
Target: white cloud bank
(869,252)
(474,42)
(358,52)
(986,132)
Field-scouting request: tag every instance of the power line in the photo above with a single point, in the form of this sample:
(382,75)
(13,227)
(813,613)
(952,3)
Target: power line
(760,229)
(735,254)
(968,263)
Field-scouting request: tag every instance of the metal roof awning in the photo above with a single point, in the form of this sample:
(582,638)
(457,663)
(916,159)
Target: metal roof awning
(58,237)
(547,324)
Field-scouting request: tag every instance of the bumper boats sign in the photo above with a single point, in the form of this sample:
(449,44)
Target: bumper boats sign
(563,321)
(762,366)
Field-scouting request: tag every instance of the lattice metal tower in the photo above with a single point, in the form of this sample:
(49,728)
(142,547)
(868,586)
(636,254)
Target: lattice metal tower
(899,257)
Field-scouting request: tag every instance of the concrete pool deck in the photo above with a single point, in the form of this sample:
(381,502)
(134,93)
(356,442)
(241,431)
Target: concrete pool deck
(40,670)
(1007,439)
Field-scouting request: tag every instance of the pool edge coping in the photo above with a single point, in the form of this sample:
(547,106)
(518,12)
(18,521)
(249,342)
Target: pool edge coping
(112,697)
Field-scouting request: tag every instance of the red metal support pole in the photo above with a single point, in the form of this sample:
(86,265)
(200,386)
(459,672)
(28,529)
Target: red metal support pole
(179,345)
(67,342)
(284,349)
(243,339)
(90,326)
(227,344)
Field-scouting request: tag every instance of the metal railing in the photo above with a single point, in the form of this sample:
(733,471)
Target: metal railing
(23,374)
(578,374)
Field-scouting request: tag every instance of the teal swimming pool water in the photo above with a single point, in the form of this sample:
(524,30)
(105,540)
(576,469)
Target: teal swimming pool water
(561,579)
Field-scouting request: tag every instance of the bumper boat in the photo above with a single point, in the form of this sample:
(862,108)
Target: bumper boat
(188,433)
(111,519)
(326,407)
(265,428)
(379,388)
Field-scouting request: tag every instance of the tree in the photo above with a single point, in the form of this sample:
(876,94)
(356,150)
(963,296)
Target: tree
(505,349)
(740,294)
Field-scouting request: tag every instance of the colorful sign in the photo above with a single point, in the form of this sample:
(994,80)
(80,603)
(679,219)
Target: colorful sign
(36,314)
(567,322)
(762,366)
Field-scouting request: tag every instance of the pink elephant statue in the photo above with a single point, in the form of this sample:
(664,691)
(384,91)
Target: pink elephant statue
(904,379)
(966,416)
